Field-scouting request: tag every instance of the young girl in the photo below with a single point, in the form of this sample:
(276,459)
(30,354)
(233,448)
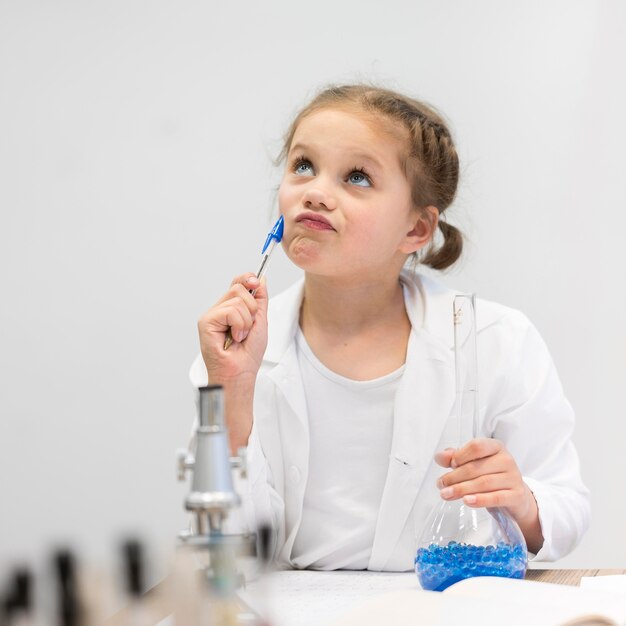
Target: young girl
(342,386)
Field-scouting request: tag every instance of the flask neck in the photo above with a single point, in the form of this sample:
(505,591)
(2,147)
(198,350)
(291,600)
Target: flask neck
(466,367)
(467,417)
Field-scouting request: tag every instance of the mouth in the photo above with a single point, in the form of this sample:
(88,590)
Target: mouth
(314,221)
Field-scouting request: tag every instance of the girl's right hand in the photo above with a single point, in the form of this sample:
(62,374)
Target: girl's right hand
(245,315)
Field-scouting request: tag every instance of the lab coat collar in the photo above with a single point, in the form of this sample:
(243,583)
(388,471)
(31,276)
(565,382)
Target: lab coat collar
(434,301)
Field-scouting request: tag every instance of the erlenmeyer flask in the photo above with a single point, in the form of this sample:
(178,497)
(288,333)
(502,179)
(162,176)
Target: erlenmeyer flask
(459,541)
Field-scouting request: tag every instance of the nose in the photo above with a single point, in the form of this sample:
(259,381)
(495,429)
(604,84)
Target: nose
(316,198)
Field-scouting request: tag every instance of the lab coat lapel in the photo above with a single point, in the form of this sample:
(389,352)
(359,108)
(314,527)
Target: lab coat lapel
(280,357)
(423,405)
(286,377)
(281,361)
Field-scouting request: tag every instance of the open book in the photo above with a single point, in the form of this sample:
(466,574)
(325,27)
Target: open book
(306,598)
(489,600)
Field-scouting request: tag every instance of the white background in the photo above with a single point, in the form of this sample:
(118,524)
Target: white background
(136,141)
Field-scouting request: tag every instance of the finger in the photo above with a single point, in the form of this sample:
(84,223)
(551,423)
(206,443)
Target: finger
(238,318)
(260,297)
(209,327)
(444,457)
(473,469)
(256,303)
(248,279)
(232,314)
(245,283)
(483,484)
(239,290)
(475,449)
(505,498)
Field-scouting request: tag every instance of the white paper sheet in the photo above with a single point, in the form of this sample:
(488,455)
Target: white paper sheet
(612,583)
(306,598)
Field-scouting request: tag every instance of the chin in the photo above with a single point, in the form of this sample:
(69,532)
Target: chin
(304,253)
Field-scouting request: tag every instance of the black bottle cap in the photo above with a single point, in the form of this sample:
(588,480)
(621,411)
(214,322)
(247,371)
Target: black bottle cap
(24,588)
(19,597)
(67,598)
(133,559)
(265,543)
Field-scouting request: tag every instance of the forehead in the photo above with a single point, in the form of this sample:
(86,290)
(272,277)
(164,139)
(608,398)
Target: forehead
(352,129)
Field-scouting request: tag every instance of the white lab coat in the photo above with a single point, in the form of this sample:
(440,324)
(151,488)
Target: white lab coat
(521,404)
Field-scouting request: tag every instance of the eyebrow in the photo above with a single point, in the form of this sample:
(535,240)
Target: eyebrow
(361,156)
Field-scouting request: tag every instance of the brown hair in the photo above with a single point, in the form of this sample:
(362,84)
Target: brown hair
(431,164)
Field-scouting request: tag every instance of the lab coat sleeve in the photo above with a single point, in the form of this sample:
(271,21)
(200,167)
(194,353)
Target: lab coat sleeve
(534,420)
(260,502)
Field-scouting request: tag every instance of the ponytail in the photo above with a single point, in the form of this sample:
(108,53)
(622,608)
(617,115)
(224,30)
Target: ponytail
(449,251)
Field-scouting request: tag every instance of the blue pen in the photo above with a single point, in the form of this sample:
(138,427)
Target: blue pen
(274,237)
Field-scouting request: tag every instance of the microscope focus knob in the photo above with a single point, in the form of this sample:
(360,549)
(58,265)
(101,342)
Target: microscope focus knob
(240,461)
(184,461)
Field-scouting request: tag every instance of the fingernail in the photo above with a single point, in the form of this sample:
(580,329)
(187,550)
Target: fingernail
(453,464)
(470,499)
(253,280)
(440,484)
(244,334)
(446,492)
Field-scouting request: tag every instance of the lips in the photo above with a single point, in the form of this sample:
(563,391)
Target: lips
(314,221)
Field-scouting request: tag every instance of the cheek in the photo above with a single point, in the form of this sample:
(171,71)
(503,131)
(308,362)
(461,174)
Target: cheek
(287,196)
(380,235)
(281,197)
(376,231)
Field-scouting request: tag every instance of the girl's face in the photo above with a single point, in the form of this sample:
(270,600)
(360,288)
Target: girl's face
(345,199)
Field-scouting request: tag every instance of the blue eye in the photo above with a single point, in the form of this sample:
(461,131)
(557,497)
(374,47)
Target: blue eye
(302,167)
(357,177)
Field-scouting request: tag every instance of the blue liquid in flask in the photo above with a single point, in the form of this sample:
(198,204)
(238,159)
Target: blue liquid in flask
(437,567)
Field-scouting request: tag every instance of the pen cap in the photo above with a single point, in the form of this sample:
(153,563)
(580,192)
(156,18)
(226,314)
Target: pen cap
(276,234)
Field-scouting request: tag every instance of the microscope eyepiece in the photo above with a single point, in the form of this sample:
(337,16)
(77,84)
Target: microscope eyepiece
(211,412)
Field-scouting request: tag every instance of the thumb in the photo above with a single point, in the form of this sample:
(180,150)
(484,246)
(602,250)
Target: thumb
(261,297)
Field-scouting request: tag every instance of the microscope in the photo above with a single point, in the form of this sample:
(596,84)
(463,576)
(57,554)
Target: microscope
(212,497)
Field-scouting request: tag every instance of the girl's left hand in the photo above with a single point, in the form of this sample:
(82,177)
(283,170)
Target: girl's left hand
(484,474)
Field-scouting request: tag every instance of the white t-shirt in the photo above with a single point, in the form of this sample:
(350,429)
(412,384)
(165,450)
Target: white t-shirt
(350,442)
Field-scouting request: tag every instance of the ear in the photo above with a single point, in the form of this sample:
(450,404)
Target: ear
(422,232)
